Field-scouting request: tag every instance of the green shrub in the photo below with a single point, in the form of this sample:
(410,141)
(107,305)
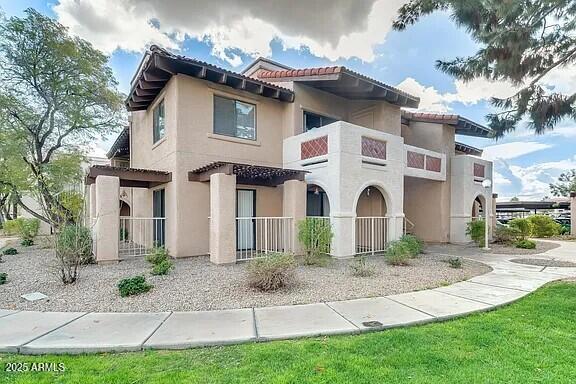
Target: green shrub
(413,244)
(160,260)
(123,234)
(10,251)
(398,253)
(360,268)
(27,243)
(544,226)
(476,230)
(133,286)
(27,229)
(271,272)
(522,226)
(315,234)
(506,235)
(455,262)
(3,278)
(75,240)
(10,227)
(526,244)
(162,268)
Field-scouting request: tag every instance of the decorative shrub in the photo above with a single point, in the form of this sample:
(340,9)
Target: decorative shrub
(27,230)
(10,227)
(413,244)
(360,267)
(76,240)
(398,253)
(522,226)
(271,272)
(544,226)
(506,235)
(455,262)
(3,278)
(315,235)
(476,230)
(160,260)
(10,251)
(133,286)
(526,244)
(27,243)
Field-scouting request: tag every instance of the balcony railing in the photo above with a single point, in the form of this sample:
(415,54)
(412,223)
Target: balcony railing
(259,236)
(138,235)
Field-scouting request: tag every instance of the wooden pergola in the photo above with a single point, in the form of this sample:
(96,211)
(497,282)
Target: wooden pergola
(247,174)
(129,177)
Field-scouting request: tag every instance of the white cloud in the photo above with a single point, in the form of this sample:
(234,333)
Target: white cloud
(500,180)
(328,28)
(430,98)
(512,150)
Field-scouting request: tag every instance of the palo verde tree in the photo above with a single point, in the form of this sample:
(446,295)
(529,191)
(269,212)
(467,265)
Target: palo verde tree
(57,95)
(566,184)
(521,41)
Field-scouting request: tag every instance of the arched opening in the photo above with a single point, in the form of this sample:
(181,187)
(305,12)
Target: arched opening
(478,207)
(124,209)
(371,223)
(317,203)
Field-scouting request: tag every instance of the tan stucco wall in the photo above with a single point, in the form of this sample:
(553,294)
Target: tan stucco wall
(372,204)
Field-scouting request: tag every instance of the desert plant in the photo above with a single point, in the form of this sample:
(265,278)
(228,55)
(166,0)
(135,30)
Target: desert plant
(271,272)
(455,262)
(27,243)
(506,235)
(315,235)
(413,244)
(27,230)
(10,227)
(476,230)
(10,251)
(523,227)
(526,244)
(360,268)
(72,249)
(133,286)
(398,253)
(74,238)
(3,278)
(544,226)
(160,260)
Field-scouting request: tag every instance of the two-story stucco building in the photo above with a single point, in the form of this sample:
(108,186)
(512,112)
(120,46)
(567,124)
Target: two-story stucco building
(226,164)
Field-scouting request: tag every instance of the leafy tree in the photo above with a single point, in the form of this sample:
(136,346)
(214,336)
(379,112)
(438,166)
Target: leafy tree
(57,95)
(521,42)
(566,184)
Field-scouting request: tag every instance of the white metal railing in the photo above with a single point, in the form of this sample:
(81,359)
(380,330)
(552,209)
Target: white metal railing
(371,234)
(138,235)
(408,226)
(258,236)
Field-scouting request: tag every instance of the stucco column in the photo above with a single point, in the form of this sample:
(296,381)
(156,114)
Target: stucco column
(294,206)
(222,218)
(494,217)
(573,213)
(344,228)
(107,216)
(92,207)
(395,227)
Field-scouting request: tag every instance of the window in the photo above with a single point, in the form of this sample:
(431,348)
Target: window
(313,120)
(234,118)
(159,123)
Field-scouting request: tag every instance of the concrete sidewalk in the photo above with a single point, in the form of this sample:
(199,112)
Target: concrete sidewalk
(67,332)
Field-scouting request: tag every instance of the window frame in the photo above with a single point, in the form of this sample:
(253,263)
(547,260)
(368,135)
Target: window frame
(157,138)
(234,100)
(305,112)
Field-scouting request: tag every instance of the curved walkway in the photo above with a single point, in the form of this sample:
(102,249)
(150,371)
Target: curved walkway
(78,332)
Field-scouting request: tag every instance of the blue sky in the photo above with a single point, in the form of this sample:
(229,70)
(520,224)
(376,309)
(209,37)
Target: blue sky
(233,34)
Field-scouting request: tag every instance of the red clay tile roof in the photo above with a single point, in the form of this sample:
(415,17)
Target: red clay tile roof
(463,125)
(300,72)
(432,117)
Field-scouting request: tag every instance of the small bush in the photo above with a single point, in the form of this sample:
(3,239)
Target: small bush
(526,244)
(133,286)
(522,226)
(315,235)
(27,243)
(476,230)
(398,253)
(360,268)
(506,235)
(3,278)
(544,226)
(316,260)
(27,229)
(10,227)
(455,262)
(76,240)
(160,260)
(10,251)
(413,244)
(271,272)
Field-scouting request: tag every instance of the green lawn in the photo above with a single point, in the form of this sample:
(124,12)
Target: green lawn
(532,341)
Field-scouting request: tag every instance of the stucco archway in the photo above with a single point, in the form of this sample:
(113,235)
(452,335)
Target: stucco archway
(479,207)
(317,201)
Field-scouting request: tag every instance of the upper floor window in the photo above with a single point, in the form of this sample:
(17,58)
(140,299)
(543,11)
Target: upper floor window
(314,120)
(234,118)
(159,123)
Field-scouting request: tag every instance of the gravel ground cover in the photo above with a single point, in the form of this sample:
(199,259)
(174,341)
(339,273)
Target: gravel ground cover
(470,250)
(196,284)
(544,262)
